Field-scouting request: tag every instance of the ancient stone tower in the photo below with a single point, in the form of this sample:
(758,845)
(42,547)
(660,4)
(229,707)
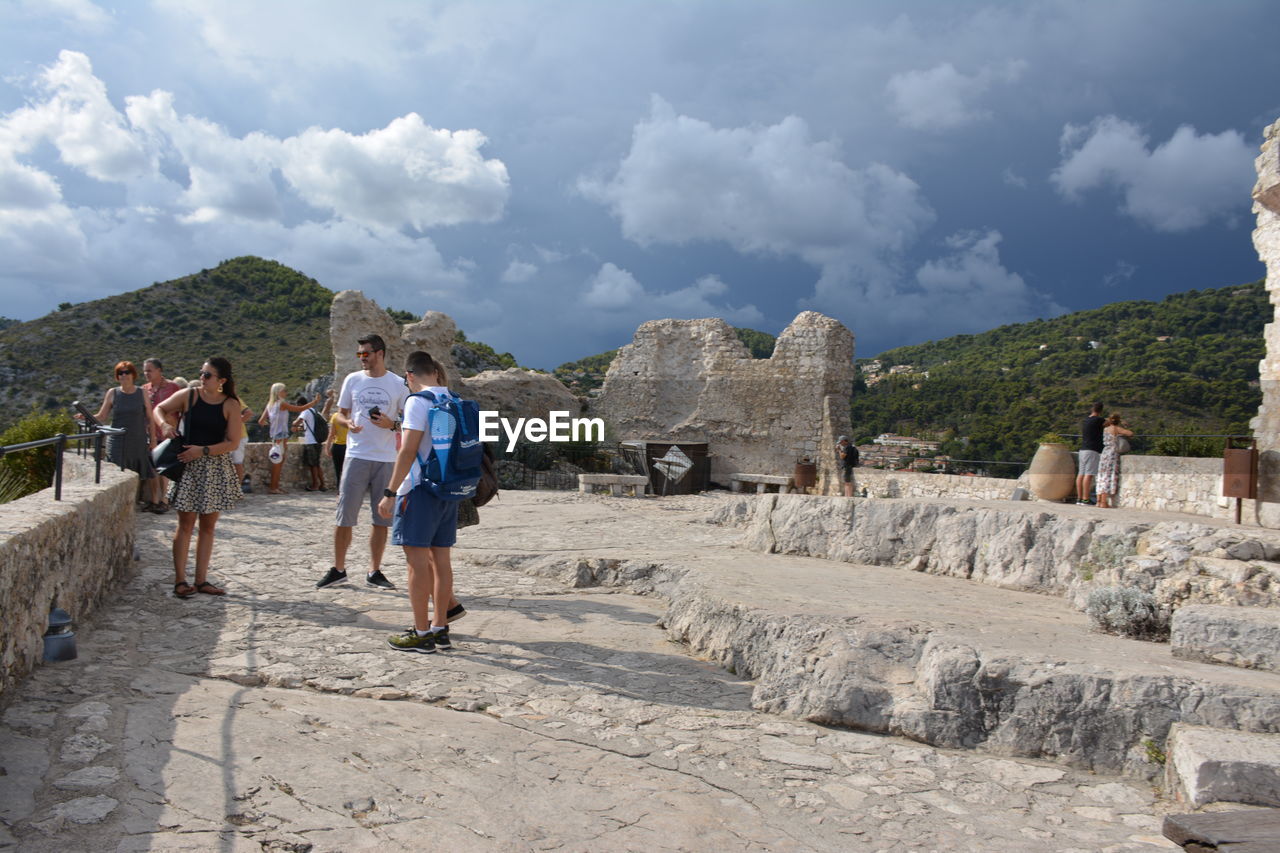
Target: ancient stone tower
(1266,238)
(693,380)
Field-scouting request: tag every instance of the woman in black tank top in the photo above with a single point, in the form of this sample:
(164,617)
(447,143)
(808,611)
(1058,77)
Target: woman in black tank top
(212,429)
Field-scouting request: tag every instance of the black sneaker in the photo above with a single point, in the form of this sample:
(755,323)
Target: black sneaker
(331,577)
(379,579)
(442,639)
(409,641)
(456,612)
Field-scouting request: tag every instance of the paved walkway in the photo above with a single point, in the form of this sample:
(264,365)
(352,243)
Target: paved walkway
(564,720)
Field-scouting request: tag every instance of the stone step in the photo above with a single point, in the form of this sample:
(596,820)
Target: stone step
(1209,765)
(1234,636)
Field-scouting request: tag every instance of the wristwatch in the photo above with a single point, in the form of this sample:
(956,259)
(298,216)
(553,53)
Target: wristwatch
(204,451)
(387,493)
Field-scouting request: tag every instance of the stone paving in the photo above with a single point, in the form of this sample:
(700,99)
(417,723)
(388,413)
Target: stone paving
(276,718)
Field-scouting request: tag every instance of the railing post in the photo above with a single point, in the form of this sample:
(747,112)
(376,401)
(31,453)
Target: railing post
(97,457)
(57,466)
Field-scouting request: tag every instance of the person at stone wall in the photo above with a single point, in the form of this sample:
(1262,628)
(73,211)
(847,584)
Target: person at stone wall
(237,455)
(305,426)
(335,446)
(158,389)
(275,416)
(1109,462)
(848,457)
(127,407)
(208,485)
(1090,454)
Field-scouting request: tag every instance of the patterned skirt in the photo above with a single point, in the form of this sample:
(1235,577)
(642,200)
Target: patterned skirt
(208,484)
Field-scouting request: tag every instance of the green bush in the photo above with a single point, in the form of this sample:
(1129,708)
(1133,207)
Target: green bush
(29,471)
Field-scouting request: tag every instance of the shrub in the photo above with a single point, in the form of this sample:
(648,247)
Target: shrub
(1127,612)
(29,471)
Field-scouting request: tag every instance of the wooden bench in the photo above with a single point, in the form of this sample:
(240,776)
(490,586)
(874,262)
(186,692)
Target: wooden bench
(587,483)
(762,482)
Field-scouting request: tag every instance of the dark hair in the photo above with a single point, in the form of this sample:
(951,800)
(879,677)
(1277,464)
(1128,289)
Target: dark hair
(1097,409)
(374,341)
(420,363)
(300,401)
(154,362)
(223,367)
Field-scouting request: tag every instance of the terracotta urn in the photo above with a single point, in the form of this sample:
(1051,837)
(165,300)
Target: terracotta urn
(1052,474)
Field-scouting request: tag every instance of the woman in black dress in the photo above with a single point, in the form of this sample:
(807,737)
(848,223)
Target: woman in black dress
(127,406)
(209,484)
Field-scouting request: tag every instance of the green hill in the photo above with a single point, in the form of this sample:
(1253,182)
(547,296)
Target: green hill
(271,321)
(1185,365)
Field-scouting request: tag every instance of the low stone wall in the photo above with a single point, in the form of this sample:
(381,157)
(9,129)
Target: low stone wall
(914,484)
(1020,545)
(293,477)
(66,553)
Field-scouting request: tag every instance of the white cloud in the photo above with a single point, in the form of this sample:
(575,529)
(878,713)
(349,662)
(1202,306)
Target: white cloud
(761,190)
(612,289)
(407,173)
(1179,185)
(82,13)
(1121,272)
(76,116)
(1013,179)
(518,272)
(942,98)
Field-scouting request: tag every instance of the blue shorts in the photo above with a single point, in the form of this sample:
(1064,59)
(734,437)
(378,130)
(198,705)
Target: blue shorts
(424,521)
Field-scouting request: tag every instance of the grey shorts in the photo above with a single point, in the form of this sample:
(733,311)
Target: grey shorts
(362,477)
(1089,463)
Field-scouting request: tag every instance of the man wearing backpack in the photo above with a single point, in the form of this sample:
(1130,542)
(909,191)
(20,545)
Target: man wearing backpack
(426,510)
(848,458)
(368,406)
(314,432)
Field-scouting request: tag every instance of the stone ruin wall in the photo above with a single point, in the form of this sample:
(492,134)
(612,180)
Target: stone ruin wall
(1266,238)
(693,380)
(513,392)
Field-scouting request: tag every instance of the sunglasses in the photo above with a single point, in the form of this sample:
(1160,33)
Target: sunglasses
(124,373)
(204,374)
(368,354)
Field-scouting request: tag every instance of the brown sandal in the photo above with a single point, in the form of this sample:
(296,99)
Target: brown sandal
(183,590)
(209,589)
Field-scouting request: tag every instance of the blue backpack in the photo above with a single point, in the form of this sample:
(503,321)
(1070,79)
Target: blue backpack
(455,463)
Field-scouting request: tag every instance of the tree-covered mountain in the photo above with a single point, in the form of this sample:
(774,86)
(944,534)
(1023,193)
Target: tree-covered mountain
(1185,365)
(271,321)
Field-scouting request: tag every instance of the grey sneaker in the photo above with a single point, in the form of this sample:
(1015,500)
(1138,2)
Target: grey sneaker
(409,641)
(331,577)
(379,579)
(456,612)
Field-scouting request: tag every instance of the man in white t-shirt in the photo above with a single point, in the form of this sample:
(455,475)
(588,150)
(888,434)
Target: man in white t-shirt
(369,406)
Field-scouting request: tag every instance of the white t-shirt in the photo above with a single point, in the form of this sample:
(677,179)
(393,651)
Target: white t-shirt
(360,393)
(416,417)
(308,418)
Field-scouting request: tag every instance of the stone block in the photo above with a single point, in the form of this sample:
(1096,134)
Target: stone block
(1235,636)
(1208,765)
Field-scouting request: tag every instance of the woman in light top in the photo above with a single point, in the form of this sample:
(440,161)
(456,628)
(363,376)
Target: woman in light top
(275,416)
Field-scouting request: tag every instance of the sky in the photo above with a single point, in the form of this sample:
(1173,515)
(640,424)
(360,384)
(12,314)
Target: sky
(552,173)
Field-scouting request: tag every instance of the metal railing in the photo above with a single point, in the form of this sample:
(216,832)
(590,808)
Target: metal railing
(60,441)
